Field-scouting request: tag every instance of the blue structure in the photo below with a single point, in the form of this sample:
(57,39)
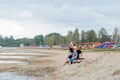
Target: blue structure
(106,45)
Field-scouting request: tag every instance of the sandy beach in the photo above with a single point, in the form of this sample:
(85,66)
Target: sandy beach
(96,66)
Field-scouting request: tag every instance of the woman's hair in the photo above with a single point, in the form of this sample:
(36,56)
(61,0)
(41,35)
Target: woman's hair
(73,43)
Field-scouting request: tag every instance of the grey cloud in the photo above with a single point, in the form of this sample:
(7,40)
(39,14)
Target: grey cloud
(82,12)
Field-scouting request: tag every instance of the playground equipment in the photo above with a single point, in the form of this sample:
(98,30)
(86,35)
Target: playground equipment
(106,45)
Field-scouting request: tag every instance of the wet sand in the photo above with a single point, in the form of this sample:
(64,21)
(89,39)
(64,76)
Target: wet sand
(96,66)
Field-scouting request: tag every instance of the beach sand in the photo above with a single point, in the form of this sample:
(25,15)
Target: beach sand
(96,66)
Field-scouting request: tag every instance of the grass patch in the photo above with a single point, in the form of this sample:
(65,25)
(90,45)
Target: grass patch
(99,50)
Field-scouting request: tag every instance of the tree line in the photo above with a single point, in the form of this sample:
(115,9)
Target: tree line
(58,39)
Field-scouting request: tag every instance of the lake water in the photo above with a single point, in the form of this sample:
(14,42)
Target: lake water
(12,62)
(14,76)
(5,56)
(18,57)
(34,54)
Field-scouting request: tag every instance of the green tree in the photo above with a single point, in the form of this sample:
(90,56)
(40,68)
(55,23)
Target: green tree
(39,40)
(63,41)
(49,40)
(76,35)
(116,34)
(83,36)
(24,41)
(69,37)
(53,39)
(31,41)
(103,36)
(91,36)
(2,42)
(12,41)
(9,41)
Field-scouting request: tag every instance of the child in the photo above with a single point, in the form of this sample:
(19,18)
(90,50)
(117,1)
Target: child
(74,54)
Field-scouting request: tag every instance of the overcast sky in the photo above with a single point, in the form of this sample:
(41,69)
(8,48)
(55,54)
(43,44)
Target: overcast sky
(27,18)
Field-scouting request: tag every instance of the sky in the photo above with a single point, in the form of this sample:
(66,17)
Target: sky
(27,18)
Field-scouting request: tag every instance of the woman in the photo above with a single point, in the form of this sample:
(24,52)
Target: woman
(72,50)
(80,55)
(73,57)
(72,44)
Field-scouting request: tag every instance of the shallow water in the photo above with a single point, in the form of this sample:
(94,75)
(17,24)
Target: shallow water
(14,76)
(19,57)
(38,54)
(11,62)
(5,56)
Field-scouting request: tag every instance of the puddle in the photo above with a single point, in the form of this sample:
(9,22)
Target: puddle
(36,54)
(14,76)
(11,62)
(19,57)
(5,56)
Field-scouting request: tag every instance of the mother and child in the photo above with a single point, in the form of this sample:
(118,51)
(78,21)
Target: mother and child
(75,53)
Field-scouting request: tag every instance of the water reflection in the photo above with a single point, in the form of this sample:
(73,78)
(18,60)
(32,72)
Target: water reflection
(11,62)
(14,76)
(19,57)
(34,54)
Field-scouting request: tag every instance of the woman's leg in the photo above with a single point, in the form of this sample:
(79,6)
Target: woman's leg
(81,55)
(66,61)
